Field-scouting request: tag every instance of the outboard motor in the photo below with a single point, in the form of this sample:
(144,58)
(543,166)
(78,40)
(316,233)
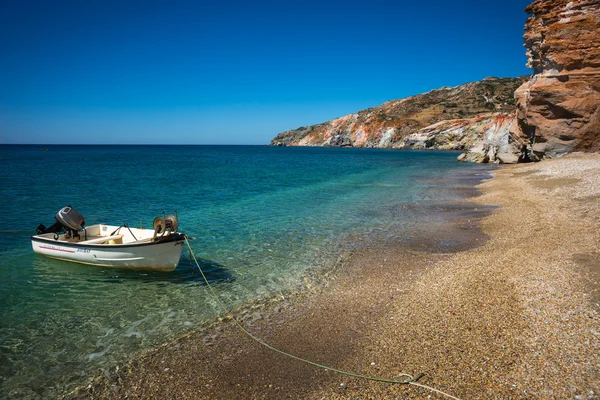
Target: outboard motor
(70,218)
(67,219)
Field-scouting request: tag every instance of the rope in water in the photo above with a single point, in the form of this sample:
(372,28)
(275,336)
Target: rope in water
(409,381)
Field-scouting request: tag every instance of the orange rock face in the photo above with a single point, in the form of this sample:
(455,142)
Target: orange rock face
(559,107)
(449,118)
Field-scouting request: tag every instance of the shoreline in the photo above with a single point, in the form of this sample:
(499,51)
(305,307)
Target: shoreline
(507,318)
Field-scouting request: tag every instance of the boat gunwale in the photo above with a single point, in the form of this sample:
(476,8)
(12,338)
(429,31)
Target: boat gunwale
(176,238)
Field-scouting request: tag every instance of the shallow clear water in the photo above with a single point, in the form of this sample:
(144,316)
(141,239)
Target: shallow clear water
(262,218)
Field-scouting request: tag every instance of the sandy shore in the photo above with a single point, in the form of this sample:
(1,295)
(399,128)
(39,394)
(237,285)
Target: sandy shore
(514,316)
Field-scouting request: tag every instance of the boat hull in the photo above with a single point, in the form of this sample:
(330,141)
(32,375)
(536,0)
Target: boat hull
(153,256)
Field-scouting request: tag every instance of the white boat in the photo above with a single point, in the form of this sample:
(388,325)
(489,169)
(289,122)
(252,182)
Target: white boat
(111,246)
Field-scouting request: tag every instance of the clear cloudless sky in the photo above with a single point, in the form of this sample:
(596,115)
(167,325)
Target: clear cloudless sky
(234,72)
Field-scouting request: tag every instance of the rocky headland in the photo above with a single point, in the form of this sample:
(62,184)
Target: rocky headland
(450,118)
(503,120)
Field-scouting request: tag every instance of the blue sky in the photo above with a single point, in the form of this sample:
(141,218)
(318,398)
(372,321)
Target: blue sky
(234,72)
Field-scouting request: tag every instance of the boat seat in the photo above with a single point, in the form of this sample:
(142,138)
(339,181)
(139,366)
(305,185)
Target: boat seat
(101,239)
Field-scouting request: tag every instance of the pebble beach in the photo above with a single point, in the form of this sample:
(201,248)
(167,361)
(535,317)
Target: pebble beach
(512,312)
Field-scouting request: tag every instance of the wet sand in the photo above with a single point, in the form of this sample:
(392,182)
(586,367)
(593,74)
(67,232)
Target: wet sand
(510,311)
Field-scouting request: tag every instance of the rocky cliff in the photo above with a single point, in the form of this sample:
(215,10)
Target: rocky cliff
(559,107)
(450,118)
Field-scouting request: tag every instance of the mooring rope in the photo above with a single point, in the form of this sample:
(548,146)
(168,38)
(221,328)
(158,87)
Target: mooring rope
(409,381)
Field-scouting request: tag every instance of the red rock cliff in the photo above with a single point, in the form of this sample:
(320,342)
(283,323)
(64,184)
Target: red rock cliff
(559,107)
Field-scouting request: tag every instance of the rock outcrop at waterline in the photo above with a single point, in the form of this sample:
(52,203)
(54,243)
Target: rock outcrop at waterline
(450,118)
(559,107)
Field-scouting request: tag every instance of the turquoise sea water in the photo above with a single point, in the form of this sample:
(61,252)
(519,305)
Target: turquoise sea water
(263,218)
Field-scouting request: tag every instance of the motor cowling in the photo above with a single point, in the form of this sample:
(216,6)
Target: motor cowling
(70,219)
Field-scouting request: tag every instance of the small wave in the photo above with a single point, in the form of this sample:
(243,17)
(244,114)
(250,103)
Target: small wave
(93,356)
